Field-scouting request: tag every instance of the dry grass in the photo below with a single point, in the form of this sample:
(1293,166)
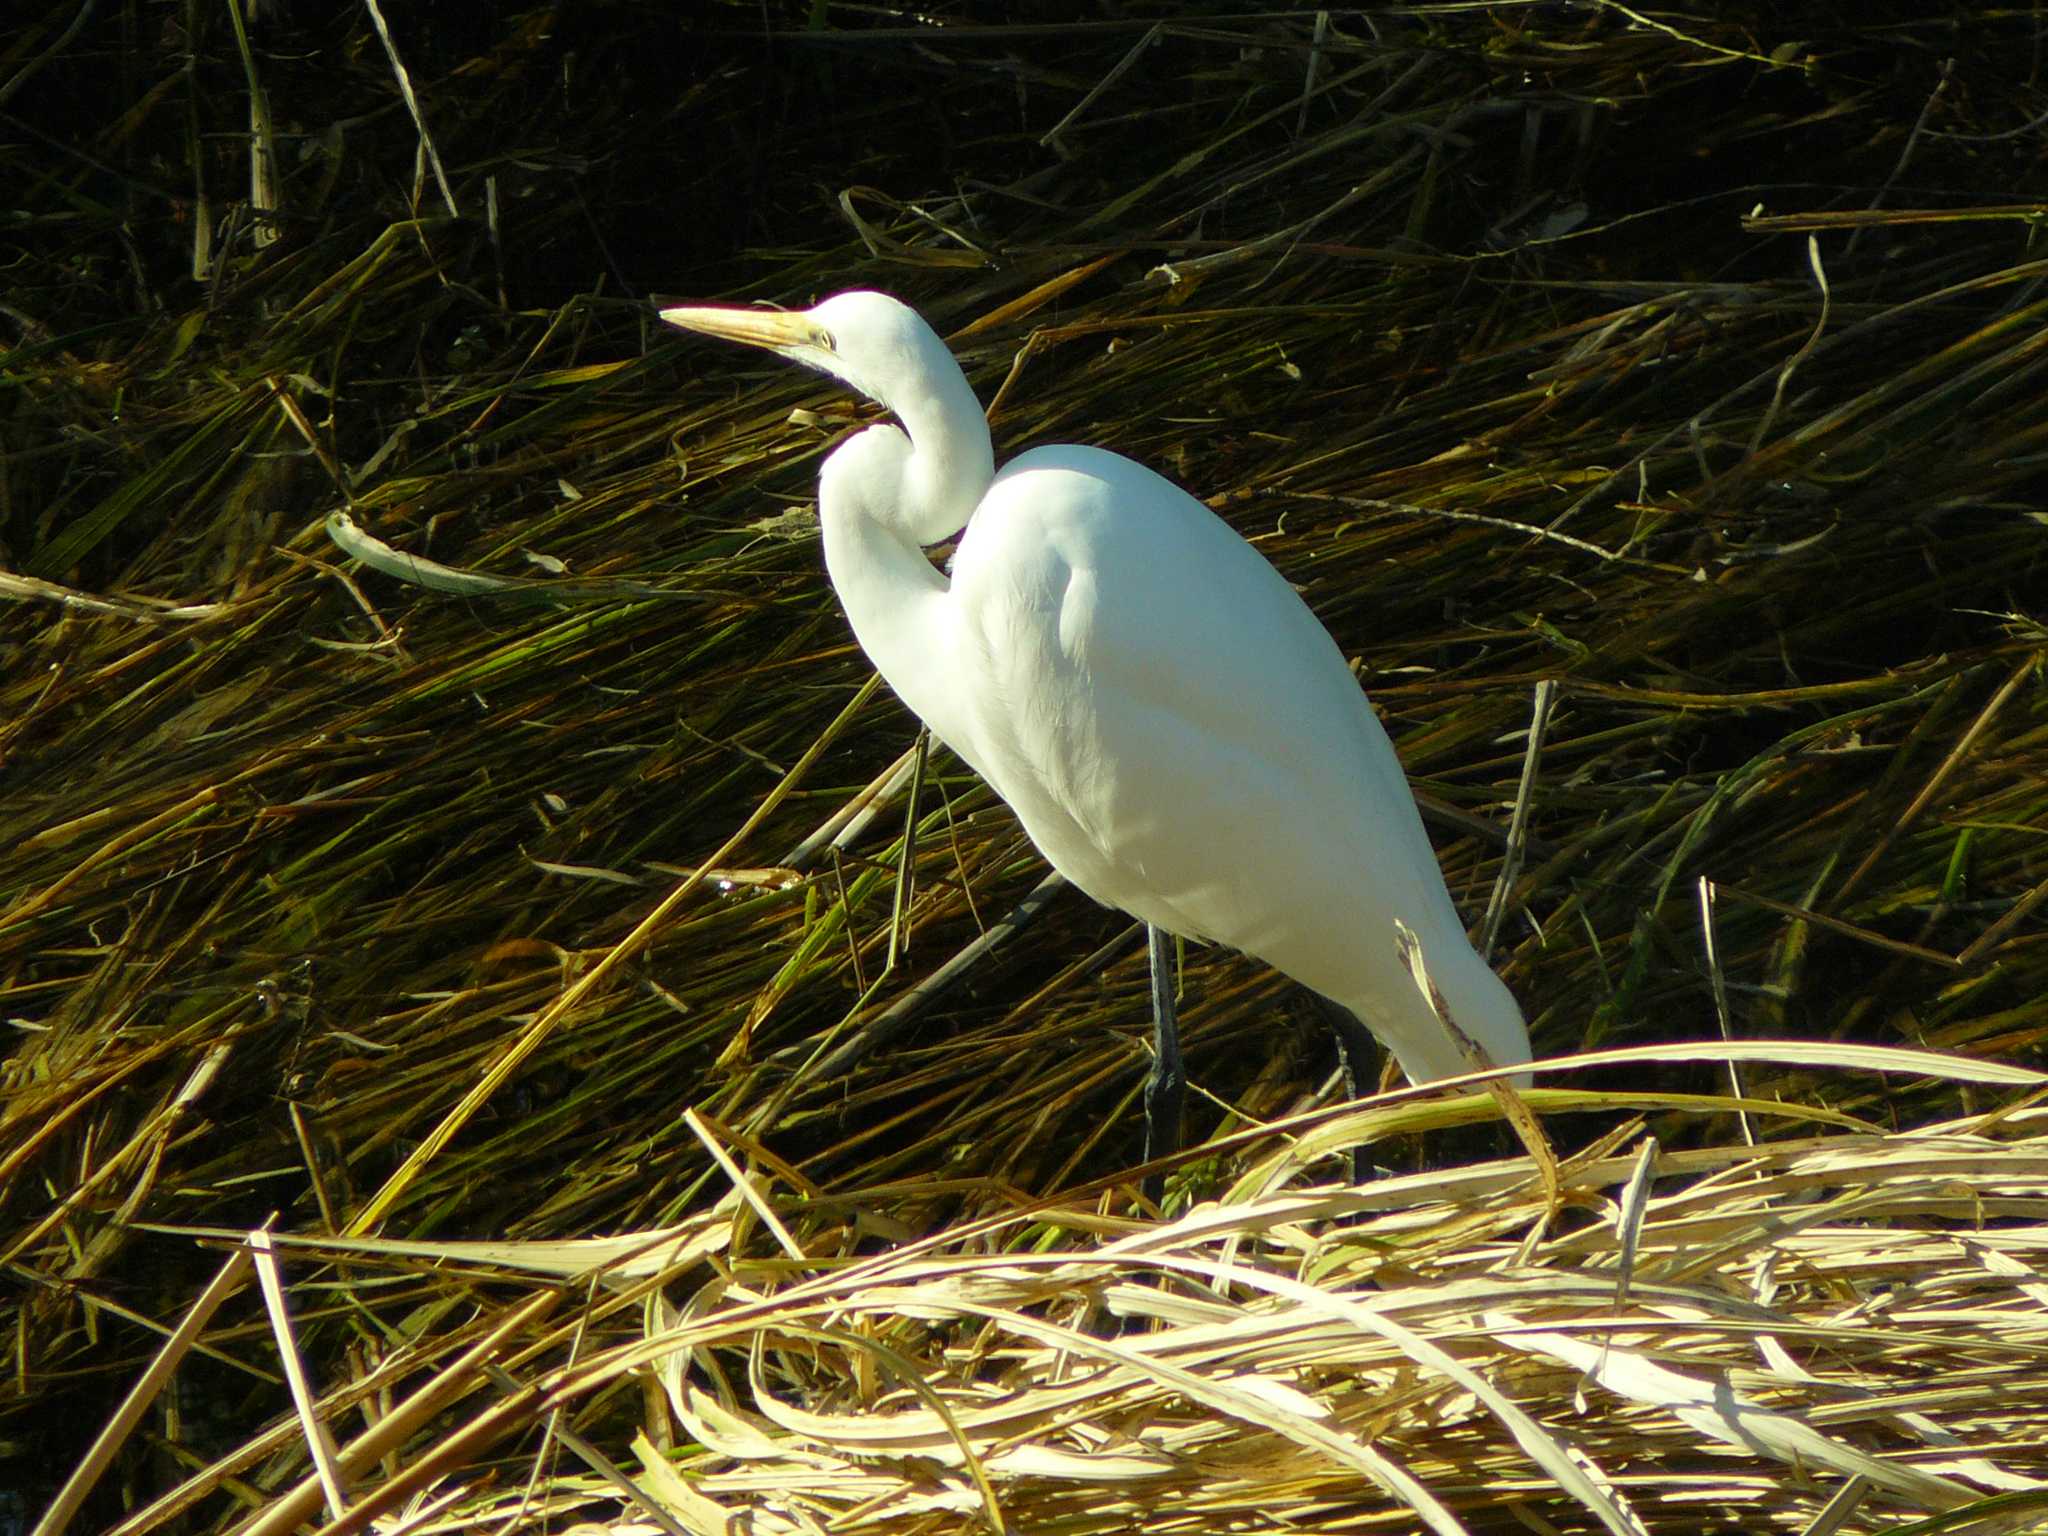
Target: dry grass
(1695,364)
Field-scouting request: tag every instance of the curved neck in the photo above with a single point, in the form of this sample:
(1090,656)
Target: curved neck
(896,601)
(884,494)
(951,461)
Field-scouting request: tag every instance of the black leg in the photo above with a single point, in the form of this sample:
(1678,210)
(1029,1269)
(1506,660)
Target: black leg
(1358,1053)
(1166,1086)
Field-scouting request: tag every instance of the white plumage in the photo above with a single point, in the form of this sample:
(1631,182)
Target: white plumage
(1176,731)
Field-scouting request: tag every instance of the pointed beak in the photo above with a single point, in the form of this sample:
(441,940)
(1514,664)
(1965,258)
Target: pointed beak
(777,330)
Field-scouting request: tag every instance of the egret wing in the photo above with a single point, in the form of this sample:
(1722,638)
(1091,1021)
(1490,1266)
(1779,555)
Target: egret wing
(1174,726)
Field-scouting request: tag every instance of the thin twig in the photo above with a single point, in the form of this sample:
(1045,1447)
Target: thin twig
(1518,825)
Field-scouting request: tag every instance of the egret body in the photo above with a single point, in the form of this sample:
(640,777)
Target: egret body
(1178,734)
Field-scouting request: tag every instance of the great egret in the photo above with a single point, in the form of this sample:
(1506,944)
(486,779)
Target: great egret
(1177,733)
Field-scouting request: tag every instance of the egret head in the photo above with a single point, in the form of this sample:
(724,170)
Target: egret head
(883,349)
(874,344)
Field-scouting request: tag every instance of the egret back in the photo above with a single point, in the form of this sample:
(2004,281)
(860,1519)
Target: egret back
(1182,739)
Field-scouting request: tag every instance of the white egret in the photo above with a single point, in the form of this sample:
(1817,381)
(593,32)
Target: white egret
(1178,734)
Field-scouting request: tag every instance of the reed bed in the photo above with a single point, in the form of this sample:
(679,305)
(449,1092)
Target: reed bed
(451,830)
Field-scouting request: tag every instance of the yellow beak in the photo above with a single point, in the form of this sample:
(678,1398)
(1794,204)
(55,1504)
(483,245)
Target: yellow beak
(777,330)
